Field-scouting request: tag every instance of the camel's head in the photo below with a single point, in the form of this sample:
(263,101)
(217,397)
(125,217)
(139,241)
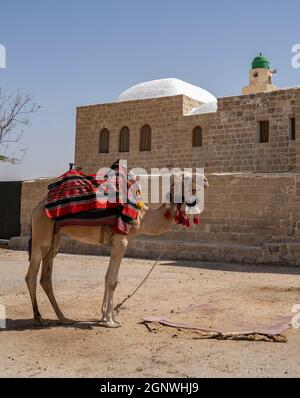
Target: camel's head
(188,189)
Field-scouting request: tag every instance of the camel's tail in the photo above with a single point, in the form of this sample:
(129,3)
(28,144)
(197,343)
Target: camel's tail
(29,245)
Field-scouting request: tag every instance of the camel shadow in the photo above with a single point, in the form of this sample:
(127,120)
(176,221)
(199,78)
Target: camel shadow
(31,324)
(235,267)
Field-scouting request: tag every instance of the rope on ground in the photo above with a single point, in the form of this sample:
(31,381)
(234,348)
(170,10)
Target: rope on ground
(162,252)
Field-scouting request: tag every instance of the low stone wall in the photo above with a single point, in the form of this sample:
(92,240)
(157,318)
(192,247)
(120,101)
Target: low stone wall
(248,218)
(33,192)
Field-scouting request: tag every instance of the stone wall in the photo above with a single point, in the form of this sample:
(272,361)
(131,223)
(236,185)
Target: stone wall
(164,115)
(251,218)
(229,135)
(32,194)
(297,142)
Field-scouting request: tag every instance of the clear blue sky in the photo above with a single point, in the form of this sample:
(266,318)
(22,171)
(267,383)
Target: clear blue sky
(70,53)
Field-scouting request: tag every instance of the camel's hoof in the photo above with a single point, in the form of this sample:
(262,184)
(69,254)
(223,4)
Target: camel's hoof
(40,321)
(109,324)
(67,321)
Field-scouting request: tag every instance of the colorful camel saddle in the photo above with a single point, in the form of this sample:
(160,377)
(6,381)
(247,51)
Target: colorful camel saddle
(83,199)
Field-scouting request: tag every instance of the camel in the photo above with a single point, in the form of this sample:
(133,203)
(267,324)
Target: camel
(44,247)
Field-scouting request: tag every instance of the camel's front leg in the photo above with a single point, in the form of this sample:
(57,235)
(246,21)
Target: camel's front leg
(111,280)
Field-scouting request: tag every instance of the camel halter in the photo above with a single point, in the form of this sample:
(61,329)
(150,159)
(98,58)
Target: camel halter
(181,218)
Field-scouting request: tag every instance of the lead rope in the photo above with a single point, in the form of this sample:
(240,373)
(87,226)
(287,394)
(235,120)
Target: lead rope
(162,252)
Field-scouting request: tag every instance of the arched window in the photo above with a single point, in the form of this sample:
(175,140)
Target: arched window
(124,139)
(197,136)
(145,138)
(104,141)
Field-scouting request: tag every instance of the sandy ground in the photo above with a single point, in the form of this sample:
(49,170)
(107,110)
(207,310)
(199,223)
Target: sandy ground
(132,351)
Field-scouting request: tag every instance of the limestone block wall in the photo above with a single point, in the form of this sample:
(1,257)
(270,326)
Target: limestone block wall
(229,135)
(256,217)
(297,141)
(164,115)
(230,141)
(32,194)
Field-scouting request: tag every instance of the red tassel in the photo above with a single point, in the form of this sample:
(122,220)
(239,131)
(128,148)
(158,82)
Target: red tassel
(196,220)
(187,223)
(167,214)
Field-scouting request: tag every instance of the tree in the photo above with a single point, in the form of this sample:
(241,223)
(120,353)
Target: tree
(14,114)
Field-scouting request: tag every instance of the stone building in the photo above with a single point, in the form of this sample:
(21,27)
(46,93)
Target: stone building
(249,146)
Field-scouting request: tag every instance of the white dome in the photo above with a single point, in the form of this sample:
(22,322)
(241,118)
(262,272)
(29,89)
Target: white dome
(166,88)
(209,107)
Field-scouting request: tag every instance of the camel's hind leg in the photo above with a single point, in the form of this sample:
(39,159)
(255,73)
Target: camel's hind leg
(42,235)
(46,279)
(31,280)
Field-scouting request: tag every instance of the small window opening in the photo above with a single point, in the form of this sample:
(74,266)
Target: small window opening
(197,137)
(263,131)
(292,129)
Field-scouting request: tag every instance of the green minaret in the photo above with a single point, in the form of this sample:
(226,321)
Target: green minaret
(260,76)
(260,62)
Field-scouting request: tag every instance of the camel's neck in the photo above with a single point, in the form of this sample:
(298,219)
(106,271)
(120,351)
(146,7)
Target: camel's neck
(155,222)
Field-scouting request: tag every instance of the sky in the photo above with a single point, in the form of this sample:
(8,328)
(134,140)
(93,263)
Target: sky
(71,53)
